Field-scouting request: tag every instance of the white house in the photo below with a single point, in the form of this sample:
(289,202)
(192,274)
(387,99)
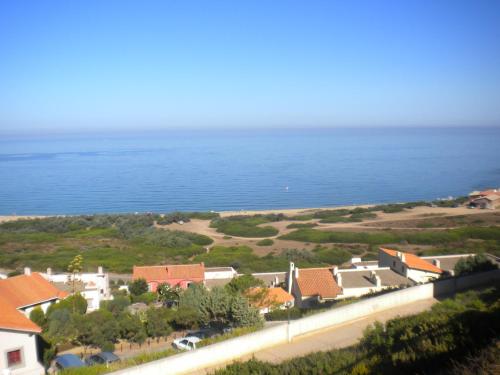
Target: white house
(94,287)
(19,295)
(358,282)
(409,265)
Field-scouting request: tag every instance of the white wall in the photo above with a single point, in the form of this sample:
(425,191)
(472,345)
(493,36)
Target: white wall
(244,345)
(13,340)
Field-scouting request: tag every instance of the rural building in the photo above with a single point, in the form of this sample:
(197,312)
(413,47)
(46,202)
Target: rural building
(358,282)
(19,295)
(310,286)
(409,265)
(181,275)
(490,201)
(271,279)
(218,273)
(94,287)
(268,299)
(29,291)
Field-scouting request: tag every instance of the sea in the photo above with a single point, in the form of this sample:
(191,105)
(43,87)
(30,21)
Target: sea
(217,170)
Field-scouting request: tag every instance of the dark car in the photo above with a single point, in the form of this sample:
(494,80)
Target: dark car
(102,358)
(204,333)
(65,361)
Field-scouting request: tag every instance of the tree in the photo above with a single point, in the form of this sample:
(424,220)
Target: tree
(75,267)
(38,316)
(167,293)
(117,305)
(131,328)
(138,287)
(157,322)
(242,283)
(60,327)
(242,314)
(99,329)
(186,317)
(75,303)
(472,264)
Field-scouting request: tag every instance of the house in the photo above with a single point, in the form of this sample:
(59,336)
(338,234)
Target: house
(358,281)
(94,287)
(490,201)
(181,275)
(268,299)
(409,265)
(29,291)
(310,286)
(19,295)
(218,273)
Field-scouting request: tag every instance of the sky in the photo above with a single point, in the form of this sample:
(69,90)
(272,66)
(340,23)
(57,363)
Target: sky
(73,66)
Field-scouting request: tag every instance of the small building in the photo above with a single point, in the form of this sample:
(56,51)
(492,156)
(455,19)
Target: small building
(181,275)
(490,201)
(29,291)
(19,295)
(218,273)
(271,279)
(94,287)
(358,282)
(359,264)
(268,299)
(311,286)
(409,265)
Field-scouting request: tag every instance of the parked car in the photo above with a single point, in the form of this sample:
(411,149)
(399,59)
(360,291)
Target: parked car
(186,343)
(65,361)
(204,333)
(102,358)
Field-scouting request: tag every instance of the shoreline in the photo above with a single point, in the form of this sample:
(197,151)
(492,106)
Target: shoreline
(290,211)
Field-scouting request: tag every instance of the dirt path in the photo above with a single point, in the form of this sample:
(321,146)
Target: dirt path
(337,337)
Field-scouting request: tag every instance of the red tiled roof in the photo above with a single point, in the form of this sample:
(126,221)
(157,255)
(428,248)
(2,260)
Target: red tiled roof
(167,272)
(414,262)
(274,296)
(11,318)
(20,291)
(25,290)
(318,282)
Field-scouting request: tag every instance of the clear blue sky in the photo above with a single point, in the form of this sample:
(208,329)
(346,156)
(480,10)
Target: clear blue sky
(68,65)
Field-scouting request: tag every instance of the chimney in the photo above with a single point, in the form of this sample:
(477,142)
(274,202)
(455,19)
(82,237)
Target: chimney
(296,272)
(49,271)
(339,279)
(27,271)
(276,280)
(374,278)
(290,277)
(335,270)
(401,256)
(437,263)
(99,270)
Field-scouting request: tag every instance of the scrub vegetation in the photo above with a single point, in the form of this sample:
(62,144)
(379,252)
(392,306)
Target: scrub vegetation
(247,226)
(457,336)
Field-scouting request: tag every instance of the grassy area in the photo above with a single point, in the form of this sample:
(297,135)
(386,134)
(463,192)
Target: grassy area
(246,226)
(265,242)
(301,225)
(490,237)
(116,242)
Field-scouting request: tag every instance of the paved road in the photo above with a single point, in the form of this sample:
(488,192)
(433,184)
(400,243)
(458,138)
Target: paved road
(338,337)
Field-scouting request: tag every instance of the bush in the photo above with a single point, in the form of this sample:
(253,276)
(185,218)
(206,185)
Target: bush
(472,264)
(265,242)
(246,226)
(138,287)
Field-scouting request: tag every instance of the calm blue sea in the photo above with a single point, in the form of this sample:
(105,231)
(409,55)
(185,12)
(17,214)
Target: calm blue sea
(233,170)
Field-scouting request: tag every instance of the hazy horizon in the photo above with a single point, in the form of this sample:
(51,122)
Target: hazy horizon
(116,66)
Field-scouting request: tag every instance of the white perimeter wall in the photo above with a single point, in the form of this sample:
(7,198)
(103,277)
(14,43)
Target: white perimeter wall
(232,349)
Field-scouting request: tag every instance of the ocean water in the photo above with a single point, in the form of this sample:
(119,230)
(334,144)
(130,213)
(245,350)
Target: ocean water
(241,170)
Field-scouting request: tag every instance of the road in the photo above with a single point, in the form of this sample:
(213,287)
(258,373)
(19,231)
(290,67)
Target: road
(338,337)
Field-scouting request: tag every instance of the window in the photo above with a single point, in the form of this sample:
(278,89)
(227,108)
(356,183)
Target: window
(14,358)
(394,263)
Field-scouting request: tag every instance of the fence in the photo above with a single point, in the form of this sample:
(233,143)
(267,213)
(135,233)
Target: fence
(235,348)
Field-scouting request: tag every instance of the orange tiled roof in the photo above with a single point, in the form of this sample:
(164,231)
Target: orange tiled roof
(166,272)
(414,262)
(274,296)
(318,282)
(25,290)
(11,318)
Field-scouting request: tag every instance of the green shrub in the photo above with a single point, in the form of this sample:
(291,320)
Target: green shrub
(265,242)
